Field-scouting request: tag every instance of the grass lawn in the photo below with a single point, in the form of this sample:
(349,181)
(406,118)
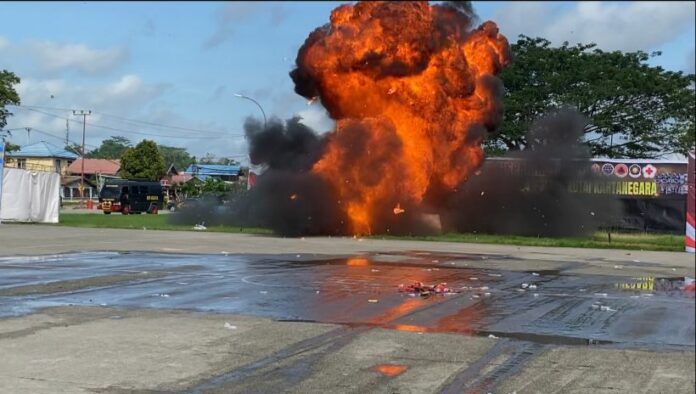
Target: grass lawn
(150,222)
(664,242)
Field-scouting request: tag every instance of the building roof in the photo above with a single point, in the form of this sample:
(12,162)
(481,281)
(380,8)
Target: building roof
(95,166)
(181,178)
(212,169)
(172,170)
(43,149)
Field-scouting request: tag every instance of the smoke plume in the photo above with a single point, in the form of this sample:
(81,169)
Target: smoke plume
(414,93)
(529,192)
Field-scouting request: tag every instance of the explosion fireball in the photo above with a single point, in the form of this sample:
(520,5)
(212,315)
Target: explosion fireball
(412,88)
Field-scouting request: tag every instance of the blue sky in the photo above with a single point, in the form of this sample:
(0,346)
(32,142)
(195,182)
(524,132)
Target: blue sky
(180,63)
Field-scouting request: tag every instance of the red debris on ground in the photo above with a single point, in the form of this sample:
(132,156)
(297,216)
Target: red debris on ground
(426,290)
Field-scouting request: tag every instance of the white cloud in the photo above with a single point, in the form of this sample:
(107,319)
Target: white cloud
(316,118)
(128,96)
(4,43)
(624,26)
(55,56)
(50,101)
(226,19)
(231,15)
(35,91)
(130,90)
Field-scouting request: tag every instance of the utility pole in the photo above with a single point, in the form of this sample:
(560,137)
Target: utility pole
(84,114)
(28,129)
(67,132)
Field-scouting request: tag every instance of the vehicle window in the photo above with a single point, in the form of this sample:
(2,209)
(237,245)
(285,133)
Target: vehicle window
(109,191)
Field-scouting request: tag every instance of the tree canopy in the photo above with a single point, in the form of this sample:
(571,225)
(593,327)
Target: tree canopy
(111,148)
(633,109)
(10,147)
(144,161)
(177,156)
(210,158)
(8,95)
(75,148)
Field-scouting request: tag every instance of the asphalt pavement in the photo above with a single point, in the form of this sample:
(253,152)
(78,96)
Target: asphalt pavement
(116,311)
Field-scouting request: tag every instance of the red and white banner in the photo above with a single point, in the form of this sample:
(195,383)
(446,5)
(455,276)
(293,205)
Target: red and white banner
(691,204)
(254,171)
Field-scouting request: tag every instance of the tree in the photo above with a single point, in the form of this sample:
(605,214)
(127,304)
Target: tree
(215,187)
(634,109)
(76,149)
(10,147)
(143,162)
(111,148)
(8,95)
(209,158)
(177,156)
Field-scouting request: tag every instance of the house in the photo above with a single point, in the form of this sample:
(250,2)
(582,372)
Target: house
(70,188)
(227,173)
(94,167)
(41,156)
(95,172)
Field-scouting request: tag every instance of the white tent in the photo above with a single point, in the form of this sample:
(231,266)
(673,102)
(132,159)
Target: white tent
(29,196)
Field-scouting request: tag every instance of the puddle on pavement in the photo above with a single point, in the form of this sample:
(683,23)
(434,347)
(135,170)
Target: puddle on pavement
(535,306)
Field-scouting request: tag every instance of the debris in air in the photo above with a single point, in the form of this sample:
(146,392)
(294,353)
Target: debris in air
(398,210)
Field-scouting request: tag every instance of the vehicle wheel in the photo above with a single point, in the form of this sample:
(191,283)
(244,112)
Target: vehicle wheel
(125,211)
(107,213)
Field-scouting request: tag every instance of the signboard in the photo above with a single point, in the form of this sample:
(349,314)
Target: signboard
(652,193)
(624,177)
(635,178)
(2,169)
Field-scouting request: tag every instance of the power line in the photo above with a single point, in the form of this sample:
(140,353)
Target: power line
(215,132)
(162,125)
(56,137)
(127,131)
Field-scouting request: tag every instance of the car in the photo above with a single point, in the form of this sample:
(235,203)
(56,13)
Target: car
(143,196)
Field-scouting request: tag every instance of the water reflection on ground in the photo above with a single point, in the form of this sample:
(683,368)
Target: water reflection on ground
(536,306)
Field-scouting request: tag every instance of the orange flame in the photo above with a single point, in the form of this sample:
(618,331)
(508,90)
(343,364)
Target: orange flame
(413,91)
(357,262)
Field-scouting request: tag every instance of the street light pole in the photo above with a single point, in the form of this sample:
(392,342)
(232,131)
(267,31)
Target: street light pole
(84,114)
(257,104)
(264,126)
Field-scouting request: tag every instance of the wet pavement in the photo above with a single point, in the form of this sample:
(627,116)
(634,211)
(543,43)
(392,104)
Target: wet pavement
(530,309)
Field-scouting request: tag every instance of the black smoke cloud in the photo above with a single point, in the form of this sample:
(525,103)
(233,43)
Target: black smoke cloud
(529,192)
(525,193)
(288,198)
(290,147)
